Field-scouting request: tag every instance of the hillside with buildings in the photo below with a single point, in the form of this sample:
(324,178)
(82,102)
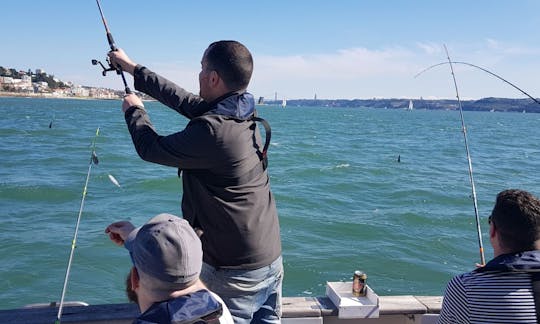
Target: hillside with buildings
(40,84)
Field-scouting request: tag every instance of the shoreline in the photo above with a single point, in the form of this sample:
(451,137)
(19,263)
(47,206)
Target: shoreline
(4,94)
(523,105)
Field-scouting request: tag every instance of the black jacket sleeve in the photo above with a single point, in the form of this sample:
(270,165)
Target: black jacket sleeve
(187,149)
(168,93)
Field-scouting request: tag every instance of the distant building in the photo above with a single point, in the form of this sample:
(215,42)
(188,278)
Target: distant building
(40,86)
(79,91)
(102,93)
(6,80)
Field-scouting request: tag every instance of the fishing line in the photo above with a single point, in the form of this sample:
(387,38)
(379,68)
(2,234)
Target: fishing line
(93,160)
(483,69)
(471,178)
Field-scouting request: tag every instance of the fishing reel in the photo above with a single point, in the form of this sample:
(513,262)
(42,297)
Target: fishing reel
(105,69)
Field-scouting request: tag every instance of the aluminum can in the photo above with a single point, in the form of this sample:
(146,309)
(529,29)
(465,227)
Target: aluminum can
(359,287)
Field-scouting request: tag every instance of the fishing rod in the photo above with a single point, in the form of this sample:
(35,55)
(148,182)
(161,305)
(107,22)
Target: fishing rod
(471,178)
(113,48)
(93,160)
(483,69)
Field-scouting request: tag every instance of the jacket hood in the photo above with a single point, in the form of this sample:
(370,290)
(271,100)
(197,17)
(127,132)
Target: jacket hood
(236,105)
(183,309)
(528,261)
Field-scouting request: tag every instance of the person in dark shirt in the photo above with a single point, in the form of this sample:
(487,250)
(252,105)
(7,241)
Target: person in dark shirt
(502,291)
(226,187)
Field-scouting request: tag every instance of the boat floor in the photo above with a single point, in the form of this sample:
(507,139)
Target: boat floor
(296,310)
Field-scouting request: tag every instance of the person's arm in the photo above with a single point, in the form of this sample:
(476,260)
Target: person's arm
(168,93)
(159,88)
(455,308)
(187,149)
(119,231)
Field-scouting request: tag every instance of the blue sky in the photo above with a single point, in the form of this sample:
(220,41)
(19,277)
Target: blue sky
(335,49)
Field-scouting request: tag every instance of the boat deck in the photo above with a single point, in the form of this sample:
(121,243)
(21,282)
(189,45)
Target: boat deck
(296,310)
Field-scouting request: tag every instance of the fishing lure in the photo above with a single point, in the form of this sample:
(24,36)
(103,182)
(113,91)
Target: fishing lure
(114,181)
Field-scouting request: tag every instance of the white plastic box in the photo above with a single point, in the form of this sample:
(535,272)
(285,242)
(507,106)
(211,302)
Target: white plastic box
(349,306)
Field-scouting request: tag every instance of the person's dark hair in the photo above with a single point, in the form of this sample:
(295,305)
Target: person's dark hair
(516,216)
(232,61)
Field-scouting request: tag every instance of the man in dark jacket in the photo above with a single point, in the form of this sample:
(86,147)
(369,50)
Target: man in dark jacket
(506,289)
(226,187)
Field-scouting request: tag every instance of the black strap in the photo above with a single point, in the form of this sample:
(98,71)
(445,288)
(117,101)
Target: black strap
(267,140)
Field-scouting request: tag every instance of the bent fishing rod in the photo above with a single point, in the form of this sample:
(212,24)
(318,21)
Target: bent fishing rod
(483,69)
(113,47)
(469,160)
(93,160)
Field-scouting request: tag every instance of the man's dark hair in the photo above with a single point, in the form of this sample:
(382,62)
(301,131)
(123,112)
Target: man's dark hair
(232,61)
(516,216)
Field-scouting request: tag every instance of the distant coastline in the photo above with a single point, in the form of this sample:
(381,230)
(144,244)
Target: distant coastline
(6,94)
(46,96)
(525,105)
(485,104)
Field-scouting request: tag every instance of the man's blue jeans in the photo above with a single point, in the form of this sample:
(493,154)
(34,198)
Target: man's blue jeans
(252,296)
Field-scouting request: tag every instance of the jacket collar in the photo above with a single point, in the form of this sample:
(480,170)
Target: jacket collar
(240,105)
(528,261)
(183,309)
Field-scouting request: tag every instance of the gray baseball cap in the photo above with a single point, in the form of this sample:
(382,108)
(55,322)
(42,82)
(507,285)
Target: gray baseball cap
(166,248)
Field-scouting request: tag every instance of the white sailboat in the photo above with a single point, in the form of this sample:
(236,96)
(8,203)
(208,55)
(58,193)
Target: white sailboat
(283,103)
(411,107)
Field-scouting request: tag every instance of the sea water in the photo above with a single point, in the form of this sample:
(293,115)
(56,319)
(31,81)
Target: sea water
(387,192)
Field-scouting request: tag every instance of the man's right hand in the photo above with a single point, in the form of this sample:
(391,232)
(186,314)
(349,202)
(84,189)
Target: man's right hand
(120,58)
